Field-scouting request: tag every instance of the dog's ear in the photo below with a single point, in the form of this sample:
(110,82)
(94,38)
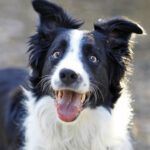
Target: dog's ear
(52,16)
(118,28)
(118,32)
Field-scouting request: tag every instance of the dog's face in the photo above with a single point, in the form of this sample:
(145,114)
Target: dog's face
(78,68)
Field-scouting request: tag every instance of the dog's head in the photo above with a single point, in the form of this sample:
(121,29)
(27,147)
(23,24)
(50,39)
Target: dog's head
(78,68)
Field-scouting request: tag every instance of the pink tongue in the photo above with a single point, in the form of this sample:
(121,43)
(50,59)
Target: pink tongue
(69,106)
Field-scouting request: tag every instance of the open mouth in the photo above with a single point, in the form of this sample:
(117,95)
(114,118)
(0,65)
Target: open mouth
(69,104)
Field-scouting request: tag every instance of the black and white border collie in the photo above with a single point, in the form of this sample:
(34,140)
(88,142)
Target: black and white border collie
(76,97)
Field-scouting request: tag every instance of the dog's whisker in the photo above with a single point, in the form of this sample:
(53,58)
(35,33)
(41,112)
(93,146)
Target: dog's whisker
(44,83)
(97,90)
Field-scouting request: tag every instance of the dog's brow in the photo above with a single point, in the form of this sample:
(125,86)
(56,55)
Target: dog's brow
(87,46)
(64,43)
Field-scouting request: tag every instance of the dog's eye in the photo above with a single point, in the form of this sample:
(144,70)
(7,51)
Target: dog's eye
(56,55)
(93,59)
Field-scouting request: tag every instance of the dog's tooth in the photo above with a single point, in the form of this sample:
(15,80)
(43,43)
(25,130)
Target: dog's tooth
(60,94)
(56,94)
(83,98)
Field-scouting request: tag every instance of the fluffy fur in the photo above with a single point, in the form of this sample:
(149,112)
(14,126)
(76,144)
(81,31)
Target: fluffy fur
(96,129)
(98,62)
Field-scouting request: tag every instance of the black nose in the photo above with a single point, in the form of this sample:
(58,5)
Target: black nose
(68,76)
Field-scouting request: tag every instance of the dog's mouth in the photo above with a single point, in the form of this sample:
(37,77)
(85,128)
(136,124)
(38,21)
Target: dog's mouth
(69,104)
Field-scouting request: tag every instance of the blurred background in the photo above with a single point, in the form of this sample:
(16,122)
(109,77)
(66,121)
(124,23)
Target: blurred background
(17,23)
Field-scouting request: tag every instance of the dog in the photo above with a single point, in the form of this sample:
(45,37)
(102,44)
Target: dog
(75,96)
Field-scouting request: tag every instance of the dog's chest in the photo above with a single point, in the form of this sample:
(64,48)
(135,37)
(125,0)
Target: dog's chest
(94,129)
(58,137)
(43,131)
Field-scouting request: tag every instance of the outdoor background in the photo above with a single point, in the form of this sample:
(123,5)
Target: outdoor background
(17,23)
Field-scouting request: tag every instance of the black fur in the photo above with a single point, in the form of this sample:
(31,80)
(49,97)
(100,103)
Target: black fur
(52,15)
(11,110)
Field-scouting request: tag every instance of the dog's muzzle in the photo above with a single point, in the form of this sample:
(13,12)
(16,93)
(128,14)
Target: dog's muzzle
(69,94)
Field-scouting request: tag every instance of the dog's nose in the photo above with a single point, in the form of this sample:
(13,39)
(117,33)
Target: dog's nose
(68,76)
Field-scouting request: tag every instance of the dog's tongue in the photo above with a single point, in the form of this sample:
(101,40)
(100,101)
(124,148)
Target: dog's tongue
(69,106)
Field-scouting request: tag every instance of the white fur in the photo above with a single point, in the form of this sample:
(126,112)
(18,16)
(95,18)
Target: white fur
(95,129)
(72,61)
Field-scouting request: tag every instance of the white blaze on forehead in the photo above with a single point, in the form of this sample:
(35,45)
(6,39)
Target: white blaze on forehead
(76,37)
(72,59)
